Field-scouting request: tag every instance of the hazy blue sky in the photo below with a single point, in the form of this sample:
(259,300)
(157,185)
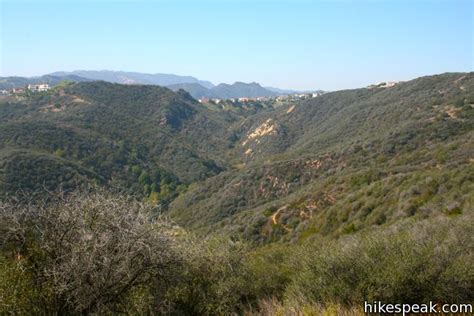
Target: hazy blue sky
(289,44)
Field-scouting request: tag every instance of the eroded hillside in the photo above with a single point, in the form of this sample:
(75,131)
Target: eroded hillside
(345,161)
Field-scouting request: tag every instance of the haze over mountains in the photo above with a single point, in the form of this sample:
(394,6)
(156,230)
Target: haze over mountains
(197,88)
(226,91)
(125,77)
(8,83)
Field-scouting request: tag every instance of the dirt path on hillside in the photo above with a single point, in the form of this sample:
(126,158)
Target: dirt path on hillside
(275,216)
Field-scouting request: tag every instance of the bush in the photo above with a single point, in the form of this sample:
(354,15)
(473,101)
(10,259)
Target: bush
(86,253)
(17,293)
(410,263)
(102,254)
(268,271)
(211,281)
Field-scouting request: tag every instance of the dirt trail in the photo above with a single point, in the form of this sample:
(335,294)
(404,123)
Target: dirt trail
(274,217)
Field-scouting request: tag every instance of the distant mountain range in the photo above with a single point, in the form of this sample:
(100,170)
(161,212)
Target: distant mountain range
(194,89)
(134,77)
(225,91)
(7,83)
(283,91)
(197,88)
(240,89)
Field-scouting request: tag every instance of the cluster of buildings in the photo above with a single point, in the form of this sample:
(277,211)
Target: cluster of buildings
(232,100)
(281,98)
(382,85)
(38,87)
(31,87)
(298,96)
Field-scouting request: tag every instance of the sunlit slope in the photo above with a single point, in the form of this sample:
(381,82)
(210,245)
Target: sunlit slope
(344,161)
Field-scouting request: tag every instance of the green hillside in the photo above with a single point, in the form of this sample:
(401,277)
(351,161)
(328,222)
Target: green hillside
(330,165)
(240,90)
(138,137)
(345,161)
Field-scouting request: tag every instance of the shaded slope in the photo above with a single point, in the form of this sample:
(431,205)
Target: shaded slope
(196,90)
(241,90)
(119,132)
(225,91)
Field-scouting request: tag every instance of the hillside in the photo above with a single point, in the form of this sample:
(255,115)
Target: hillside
(196,90)
(225,91)
(241,90)
(345,161)
(144,139)
(330,165)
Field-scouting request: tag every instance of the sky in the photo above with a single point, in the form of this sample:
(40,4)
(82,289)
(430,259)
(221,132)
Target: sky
(296,44)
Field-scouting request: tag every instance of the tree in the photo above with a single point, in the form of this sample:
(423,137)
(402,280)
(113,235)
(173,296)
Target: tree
(144,178)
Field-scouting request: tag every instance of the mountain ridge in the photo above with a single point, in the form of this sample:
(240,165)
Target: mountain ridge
(197,88)
(225,91)
(7,83)
(126,77)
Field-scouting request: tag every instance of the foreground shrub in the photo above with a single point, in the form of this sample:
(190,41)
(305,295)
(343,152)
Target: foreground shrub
(268,271)
(103,254)
(410,263)
(273,306)
(211,280)
(17,294)
(85,253)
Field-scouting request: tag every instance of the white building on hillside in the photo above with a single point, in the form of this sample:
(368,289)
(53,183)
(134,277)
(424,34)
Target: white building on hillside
(38,87)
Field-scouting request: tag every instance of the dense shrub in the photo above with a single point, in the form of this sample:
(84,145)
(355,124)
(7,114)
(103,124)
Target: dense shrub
(268,271)
(17,296)
(98,253)
(409,262)
(83,253)
(211,281)
(102,254)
